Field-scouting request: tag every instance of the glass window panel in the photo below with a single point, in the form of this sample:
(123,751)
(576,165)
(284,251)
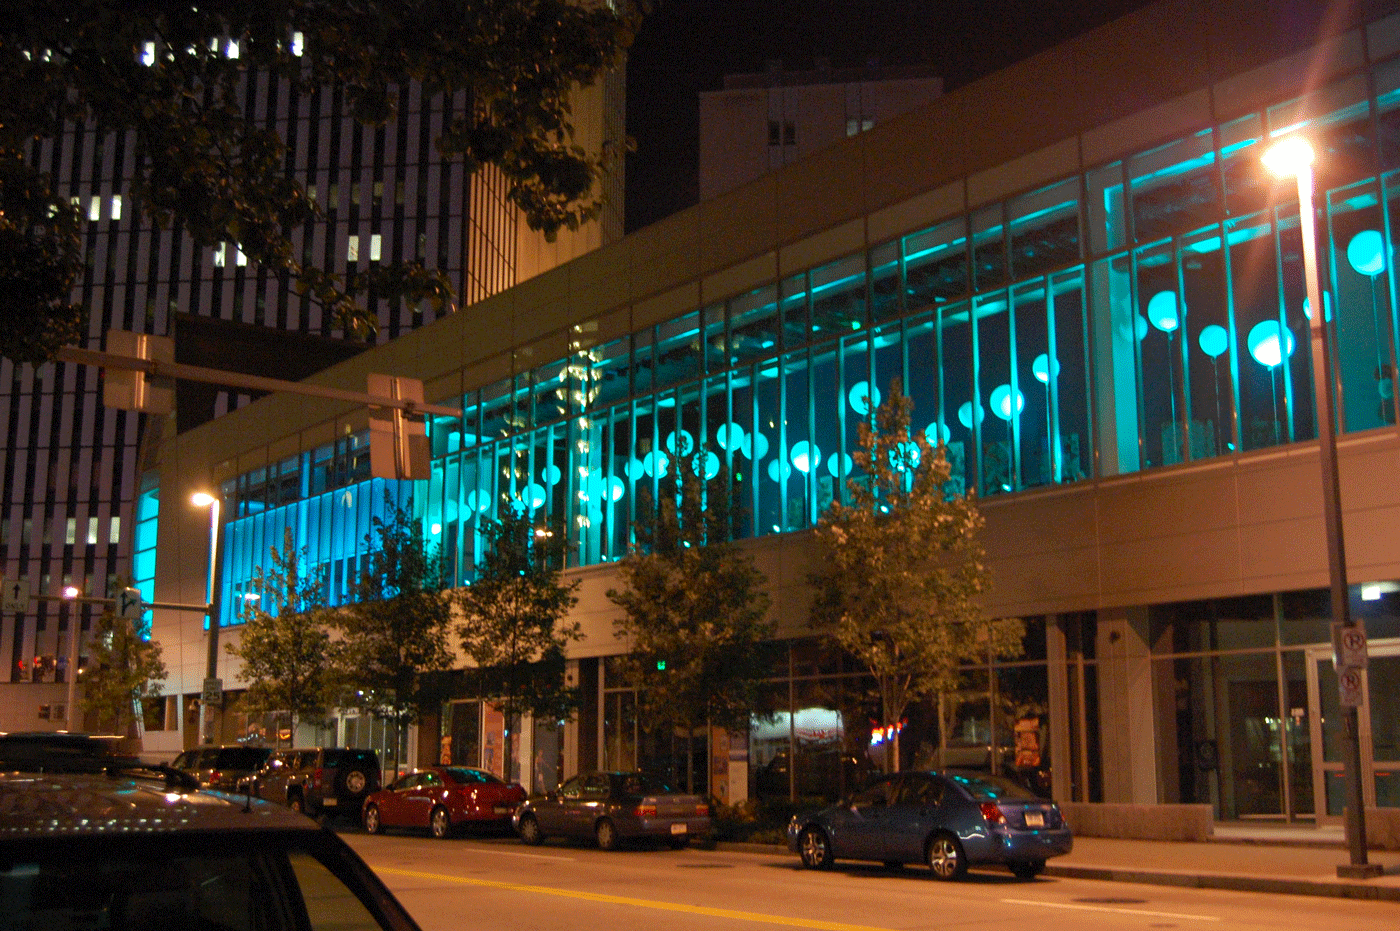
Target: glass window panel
(753,325)
(855,398)
(827,411)
(1387,80)
(962,411)
(1206,334)
(1032,381)
(1361,306)
(1175,188)
(678,355)
(738,441)
(1069,386)
(1342,134)
(989,265)
(1045,229)
(1158,290)
(885,282)
(609,365)
(796,471)
(767,443)
(838,297)
(889,360)
(1003,399)
(1108,226)
(1247,186)
(643,375)
(496,410)
(1262,341)
(716,359)
(794,307)
(935,264)
(549,395)
(921,337)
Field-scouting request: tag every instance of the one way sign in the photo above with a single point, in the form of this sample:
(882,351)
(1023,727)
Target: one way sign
(129,604)
(15,595)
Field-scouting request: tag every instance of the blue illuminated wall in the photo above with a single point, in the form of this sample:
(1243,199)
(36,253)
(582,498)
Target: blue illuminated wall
(1140,314)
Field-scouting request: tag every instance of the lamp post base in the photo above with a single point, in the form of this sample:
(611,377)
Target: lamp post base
(1359,870)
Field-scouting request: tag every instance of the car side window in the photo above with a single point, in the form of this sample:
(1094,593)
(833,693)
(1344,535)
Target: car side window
(876,796)
(306,759)
(428,780)
(597,786)
(920,791)
(572,788)
(329,904)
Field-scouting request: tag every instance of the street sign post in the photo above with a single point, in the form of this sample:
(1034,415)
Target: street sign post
(129,604)
(213,693)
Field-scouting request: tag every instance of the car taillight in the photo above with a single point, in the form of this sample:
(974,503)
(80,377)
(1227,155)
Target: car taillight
(702,811)
(992,813)
(646,811)
(316,778)
(215,776)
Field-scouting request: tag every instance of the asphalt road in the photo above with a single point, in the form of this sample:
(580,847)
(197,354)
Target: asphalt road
(498,884)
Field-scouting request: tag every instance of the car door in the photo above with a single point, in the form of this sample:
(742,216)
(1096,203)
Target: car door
(394,804)
(549,810)
(858,825)
(913,813)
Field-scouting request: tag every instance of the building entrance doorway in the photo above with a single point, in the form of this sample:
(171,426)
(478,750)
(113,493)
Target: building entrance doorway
(1379,724)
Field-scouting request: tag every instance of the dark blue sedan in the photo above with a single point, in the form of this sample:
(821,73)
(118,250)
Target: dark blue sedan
(949,820)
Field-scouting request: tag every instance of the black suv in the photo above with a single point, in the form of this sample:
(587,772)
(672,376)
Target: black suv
(222,768)
(318,780)
(144,848)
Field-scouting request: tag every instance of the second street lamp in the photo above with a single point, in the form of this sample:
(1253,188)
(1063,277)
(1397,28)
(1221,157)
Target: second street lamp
(211,669)
(1293,156)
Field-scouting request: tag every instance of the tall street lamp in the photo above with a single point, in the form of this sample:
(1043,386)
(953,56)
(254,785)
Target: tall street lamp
(211,667)
(1293,156)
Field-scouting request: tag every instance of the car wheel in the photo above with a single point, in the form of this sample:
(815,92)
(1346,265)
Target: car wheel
(1027,869)
(946,859)
(530,832)
(355,782)
(606,834)
(815,849)
(372,822)
(440,822)
(295,803)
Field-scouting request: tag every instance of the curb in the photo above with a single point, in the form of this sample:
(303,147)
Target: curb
(1275,885)
(1339,889)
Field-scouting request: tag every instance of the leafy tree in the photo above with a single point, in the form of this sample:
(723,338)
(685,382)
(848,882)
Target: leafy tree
(285,644)
(902,569)
(513,618)
(694,612)
(163,77)
(124,668)
(396,633)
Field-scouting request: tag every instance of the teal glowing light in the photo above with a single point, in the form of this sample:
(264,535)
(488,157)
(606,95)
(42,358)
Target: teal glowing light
(1214,340)
(656,463)
(1366,253)
(1042,368)
(680,443)
(805,456)
(730,436)
(1162,311)
(965,414)
(1002,400)
(836,463)
(755,446)
(1265,345)
(779,471)
(864,398)
(1326,307)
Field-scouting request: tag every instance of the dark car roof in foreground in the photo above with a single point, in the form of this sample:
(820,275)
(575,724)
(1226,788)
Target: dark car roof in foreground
(48,804)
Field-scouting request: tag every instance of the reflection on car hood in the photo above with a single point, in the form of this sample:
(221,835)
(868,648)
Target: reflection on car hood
(64,803)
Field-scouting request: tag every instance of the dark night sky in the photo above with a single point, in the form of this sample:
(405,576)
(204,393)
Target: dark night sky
(687,46)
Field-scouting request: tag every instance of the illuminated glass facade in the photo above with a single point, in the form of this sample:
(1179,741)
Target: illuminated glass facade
(1141,314)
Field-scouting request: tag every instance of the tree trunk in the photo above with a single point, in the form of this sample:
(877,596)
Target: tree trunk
(689,759)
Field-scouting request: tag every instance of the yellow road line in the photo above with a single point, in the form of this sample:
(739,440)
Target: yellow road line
(638,903)
(1117,911)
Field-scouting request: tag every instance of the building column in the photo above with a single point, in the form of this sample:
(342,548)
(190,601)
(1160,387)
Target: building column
(1127,726)
(1057,709)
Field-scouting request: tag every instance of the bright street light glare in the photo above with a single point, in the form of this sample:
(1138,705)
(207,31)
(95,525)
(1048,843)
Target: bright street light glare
(203,499)
(1287,157)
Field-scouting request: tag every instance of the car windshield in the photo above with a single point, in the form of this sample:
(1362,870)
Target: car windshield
(992,788)
(470,776)
(242,757)
(642,784)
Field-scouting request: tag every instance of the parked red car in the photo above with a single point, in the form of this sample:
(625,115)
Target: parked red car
(442,799)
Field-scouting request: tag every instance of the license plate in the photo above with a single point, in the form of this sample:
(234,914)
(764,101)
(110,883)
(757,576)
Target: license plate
(1035,819)
(679,828)
(503,809)
(330,802)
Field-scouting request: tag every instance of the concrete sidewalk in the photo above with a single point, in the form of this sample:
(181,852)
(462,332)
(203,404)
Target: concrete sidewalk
(1293,861)
(1289,860)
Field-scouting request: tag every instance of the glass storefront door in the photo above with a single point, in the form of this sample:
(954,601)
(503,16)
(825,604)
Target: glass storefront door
(1379,722)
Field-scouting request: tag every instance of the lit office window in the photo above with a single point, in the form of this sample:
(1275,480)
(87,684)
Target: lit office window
(219,255)
(92,531)
(148,53)
(298,44)
(114,534)
(374,245)
(94,208)
(352,249)
(116,206)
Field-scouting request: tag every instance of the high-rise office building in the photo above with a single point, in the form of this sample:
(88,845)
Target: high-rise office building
(69,475)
